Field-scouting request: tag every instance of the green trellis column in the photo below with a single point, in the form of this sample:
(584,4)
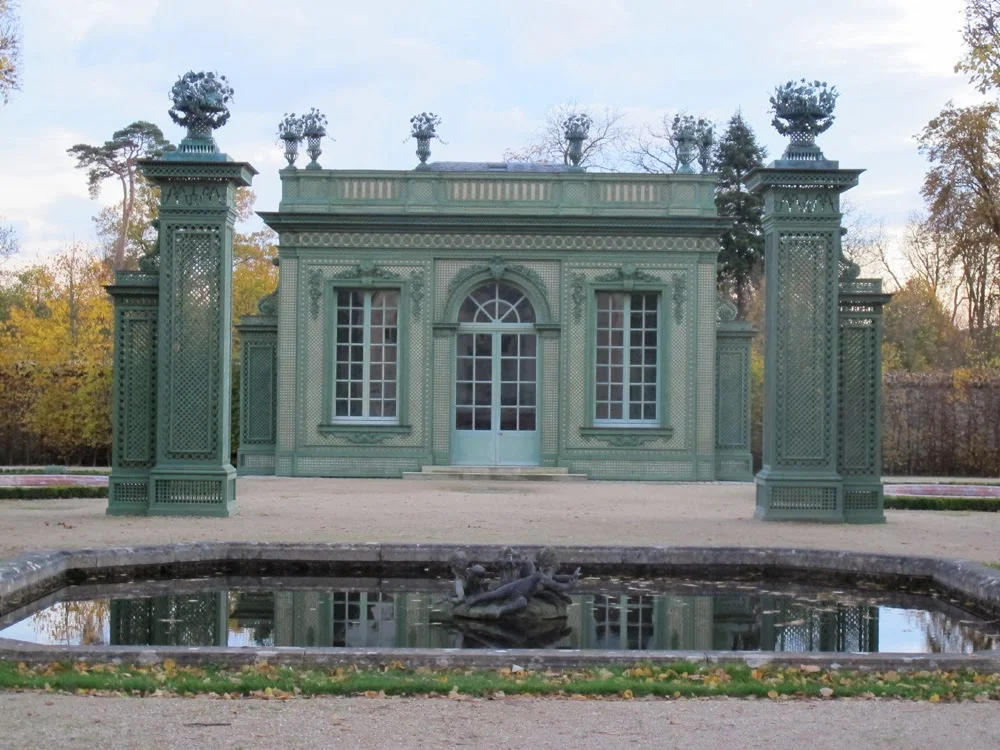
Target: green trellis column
(258,388)
(733,459)
(193,474)
(133,403)
(859,453)
(800,477)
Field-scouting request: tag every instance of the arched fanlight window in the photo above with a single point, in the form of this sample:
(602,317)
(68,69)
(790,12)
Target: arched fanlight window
(496,302)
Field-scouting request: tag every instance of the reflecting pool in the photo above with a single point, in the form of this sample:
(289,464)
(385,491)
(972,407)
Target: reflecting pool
(658,614)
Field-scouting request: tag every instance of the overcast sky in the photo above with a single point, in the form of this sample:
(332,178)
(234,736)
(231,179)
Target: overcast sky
(490,69)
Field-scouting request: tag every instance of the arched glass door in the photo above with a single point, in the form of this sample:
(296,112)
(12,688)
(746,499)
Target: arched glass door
(496,379)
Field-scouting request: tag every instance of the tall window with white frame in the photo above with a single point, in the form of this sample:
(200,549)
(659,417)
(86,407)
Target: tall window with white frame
(366,356)
(627,378)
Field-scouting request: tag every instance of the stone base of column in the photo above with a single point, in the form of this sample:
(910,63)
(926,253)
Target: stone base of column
(798,497)
(192,492)
(864,502)
(128,493)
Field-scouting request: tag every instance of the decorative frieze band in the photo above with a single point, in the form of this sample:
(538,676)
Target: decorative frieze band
(495,242)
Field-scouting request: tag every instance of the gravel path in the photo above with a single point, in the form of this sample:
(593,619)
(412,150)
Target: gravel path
(44,720)
(386,510)
(325,510)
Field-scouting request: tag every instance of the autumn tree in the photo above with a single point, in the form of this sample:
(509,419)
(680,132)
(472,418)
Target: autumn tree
(866,243)
(140,236)
(118,159)
(602,151)
(962,194)
(981,35)
(919,332)
(254,272)
(55,354)
(10,50)
(742,251)
(929,257)
(8,248)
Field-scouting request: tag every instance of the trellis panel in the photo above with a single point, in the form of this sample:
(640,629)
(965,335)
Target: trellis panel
(860,400)
(133,403)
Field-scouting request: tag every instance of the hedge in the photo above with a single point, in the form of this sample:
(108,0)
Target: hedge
(51,492)
(983,504)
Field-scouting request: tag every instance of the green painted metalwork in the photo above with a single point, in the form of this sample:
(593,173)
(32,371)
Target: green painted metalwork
(802,265)
(133,403)
(192,473)
(173,332)
(821,364)
(859,450)
(258,390)
(733,461)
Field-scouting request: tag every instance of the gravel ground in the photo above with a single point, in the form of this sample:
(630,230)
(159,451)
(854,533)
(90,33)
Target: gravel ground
(44,720)
(319,510)
(385,510)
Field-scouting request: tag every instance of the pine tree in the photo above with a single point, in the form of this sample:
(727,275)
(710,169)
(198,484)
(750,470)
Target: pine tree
(742,251)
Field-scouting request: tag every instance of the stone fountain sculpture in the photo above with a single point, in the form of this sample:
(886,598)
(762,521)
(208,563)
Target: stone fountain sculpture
(519,602)
(519,588)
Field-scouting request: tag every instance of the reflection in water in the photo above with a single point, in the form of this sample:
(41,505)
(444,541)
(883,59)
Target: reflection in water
(365,619)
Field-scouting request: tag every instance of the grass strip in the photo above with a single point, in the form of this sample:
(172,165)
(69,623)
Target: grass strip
(679,680)
(51,492)
(981,504)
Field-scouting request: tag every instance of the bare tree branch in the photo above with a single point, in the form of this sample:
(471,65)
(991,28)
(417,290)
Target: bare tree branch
(602,151)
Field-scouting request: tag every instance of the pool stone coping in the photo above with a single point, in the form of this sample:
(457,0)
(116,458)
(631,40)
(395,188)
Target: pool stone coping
(33,576)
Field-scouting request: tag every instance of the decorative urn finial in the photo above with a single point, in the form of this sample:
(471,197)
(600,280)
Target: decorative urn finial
(423,127)
(290,133)
(576,129)
(803,110)
(313,129)
(200,105)
(706,140)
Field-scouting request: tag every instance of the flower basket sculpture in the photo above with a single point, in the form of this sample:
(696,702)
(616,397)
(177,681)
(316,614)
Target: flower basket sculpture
(576,128)
(692,139)
(290,133)
(803,110)
(423,128)
(313,129)
(201,105)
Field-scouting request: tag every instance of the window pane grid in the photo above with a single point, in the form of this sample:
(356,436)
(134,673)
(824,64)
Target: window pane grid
(366,356)
(517,381)
(627,346)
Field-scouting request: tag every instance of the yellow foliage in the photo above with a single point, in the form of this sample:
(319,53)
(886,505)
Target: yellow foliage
(55,354)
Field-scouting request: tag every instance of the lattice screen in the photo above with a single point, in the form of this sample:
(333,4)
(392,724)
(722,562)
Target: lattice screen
(192,367)
(804,404)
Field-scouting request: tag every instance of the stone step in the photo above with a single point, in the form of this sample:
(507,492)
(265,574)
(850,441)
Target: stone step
(497,473)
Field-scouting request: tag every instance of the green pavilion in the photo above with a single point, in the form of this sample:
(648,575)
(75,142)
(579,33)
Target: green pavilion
(494,315)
